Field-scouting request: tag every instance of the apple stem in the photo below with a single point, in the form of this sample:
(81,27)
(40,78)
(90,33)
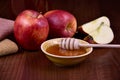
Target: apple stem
(39,15)
(40,12)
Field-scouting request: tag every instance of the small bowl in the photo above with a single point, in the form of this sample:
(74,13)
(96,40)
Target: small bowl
(64,60)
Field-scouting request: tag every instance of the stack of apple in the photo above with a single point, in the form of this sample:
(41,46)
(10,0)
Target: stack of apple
(31,28)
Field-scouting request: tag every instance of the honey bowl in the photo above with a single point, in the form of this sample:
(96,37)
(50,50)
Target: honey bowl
(61,57)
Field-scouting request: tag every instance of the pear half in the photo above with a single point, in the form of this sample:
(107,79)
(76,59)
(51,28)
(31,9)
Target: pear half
(99,29)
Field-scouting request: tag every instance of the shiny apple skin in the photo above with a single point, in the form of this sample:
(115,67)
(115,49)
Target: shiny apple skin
(61,23)
(31,29)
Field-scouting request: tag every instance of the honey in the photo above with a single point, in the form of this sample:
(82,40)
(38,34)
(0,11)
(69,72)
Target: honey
(56,50)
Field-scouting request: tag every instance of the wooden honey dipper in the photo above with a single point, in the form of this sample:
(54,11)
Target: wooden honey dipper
(72,43)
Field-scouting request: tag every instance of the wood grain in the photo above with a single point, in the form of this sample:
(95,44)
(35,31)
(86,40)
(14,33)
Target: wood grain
(102,64)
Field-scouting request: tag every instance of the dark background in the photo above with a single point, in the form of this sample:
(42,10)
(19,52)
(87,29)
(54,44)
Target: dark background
(83,10)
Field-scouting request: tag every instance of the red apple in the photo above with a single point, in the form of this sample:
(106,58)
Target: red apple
(61,23)
(31,29)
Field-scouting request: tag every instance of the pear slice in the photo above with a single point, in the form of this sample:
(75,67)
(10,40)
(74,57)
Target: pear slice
(99,29)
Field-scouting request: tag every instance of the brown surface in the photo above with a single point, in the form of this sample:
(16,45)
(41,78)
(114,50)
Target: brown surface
(102,64)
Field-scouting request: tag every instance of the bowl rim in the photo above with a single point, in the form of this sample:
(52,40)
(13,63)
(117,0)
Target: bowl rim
(58,56)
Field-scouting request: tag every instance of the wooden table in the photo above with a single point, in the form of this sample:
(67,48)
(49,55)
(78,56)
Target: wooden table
(102,64)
